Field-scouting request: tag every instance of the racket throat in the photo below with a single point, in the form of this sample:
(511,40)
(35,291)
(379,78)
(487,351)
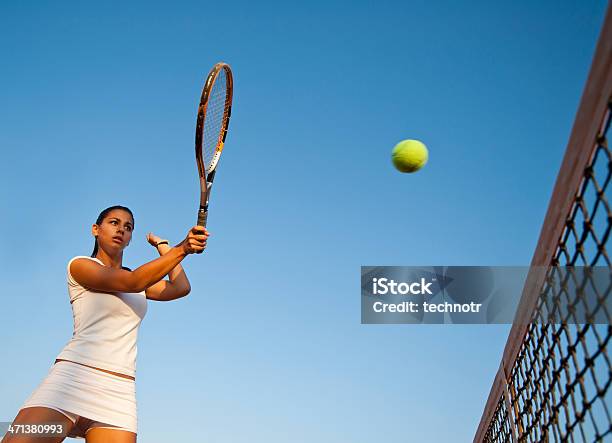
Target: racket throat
(203,211)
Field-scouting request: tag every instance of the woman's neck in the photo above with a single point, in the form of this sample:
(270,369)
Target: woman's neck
(112,261)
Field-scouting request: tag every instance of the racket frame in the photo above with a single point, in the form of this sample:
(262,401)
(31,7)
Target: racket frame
(207,173)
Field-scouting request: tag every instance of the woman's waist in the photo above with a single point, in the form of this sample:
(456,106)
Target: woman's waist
(116,361)
(129,377)
(121,350)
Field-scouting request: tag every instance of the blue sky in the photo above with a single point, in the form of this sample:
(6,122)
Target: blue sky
(98,108)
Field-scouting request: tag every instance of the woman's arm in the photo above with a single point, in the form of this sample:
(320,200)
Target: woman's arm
(177,286)
(103,278)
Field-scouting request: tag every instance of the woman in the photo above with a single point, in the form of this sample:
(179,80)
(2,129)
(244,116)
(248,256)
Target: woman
(90,389)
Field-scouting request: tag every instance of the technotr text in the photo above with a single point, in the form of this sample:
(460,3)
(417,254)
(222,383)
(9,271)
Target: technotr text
(384,286)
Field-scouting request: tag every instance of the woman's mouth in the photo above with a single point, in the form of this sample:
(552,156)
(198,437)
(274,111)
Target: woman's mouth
(118,239)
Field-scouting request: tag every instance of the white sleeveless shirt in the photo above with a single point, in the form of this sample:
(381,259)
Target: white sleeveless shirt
(105,327)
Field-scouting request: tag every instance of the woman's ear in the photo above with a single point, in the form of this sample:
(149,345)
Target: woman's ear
(94,230)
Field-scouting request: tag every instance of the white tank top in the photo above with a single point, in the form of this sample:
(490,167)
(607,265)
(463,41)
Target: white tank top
(105,327)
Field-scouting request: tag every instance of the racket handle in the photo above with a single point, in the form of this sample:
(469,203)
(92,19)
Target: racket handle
(202,217)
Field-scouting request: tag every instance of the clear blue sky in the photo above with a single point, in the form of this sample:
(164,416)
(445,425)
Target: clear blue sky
(98,108)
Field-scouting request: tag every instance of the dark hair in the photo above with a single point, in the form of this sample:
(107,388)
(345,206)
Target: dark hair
(101,218)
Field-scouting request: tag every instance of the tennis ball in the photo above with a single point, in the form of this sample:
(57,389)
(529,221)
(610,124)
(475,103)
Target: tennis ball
(409,155)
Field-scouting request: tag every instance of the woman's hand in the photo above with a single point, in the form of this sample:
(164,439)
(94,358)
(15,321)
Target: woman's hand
(195,242)
(154,239)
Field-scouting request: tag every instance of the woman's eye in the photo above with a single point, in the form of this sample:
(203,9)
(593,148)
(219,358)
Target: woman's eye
(113,222)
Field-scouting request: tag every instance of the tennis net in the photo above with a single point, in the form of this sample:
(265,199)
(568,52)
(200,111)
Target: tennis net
(553,384)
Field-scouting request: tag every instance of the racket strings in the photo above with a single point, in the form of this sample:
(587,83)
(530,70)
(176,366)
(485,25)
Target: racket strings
(214,118)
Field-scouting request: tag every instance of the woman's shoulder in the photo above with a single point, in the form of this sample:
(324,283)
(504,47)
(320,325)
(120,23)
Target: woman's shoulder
(71,279)
(83,256)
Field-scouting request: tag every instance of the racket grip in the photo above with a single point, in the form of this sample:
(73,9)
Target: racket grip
(202,217)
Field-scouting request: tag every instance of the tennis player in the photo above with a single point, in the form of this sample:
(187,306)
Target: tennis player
(90,389)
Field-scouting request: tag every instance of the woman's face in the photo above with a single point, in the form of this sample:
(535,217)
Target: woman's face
(115,231)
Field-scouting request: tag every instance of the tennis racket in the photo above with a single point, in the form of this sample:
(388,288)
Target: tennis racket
(211,129)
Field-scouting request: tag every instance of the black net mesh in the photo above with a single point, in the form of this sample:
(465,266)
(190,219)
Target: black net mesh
(559,386)
(499,431)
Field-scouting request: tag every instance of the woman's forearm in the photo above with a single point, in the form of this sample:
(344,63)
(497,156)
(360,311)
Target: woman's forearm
(176,275)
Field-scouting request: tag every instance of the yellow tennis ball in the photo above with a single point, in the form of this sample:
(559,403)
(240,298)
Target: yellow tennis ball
(409,155)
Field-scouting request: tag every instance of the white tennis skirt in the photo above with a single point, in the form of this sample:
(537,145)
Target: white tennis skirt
(89,393)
